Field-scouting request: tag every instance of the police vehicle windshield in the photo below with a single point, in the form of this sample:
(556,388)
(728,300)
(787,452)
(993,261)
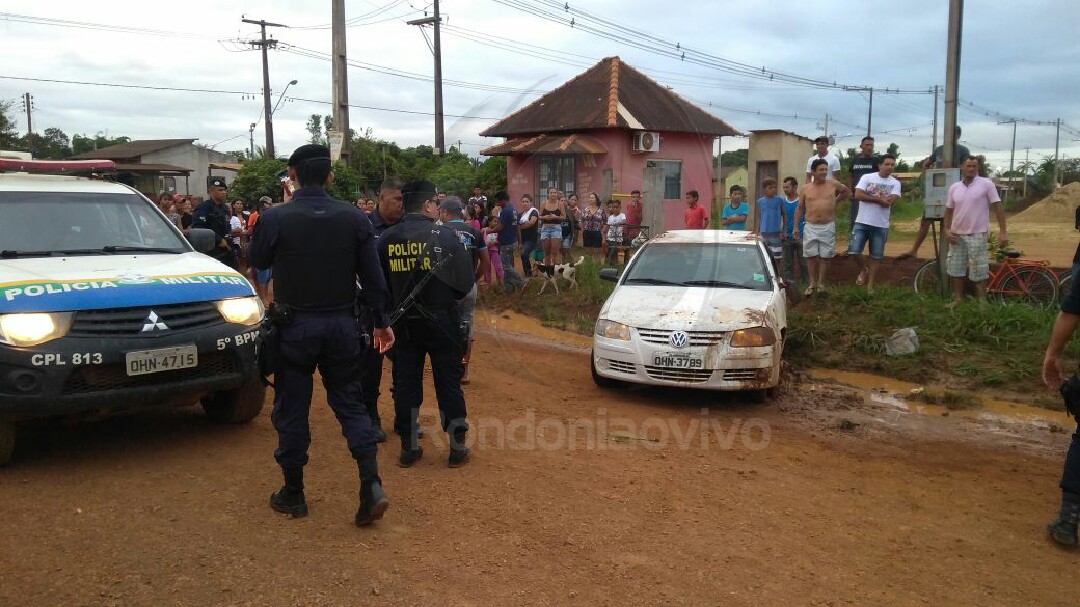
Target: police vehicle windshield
(77,223)
(739,266)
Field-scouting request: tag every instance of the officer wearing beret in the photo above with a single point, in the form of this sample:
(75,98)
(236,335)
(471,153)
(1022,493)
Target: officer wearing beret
(213,215)
(320,248)
(418,253)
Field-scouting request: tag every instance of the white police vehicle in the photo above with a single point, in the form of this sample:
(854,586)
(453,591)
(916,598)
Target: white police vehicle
(106,307)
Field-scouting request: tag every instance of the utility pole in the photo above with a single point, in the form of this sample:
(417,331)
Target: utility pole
(1012,154)
(1057,145)
(1027,155)
(266,43)
(440,145)
(952,89)
(341,78)
(826,124)
(952,80)
(933,146)
(870,112)
(28,101)
(251,140)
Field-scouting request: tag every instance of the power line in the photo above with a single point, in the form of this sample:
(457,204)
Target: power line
(31,19)
(231,92)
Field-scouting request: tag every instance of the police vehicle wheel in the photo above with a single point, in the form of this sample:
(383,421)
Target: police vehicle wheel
(602,382)
(236,406)
(7,441)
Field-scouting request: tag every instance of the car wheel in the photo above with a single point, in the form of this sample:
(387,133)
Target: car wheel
(599,380)
(7,441)
(236,406)
(757,396)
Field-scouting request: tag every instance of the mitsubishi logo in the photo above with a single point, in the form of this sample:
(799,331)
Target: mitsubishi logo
(154,323)
(677,340)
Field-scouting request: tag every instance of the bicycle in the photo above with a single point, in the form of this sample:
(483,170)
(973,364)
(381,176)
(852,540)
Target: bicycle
(1029,281)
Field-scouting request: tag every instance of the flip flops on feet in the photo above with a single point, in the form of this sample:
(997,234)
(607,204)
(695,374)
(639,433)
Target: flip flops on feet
(861,280)
(809,291)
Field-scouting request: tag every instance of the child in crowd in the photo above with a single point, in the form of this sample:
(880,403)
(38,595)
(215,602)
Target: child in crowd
(770,208)
(614,235)
(491,239)
(734,215)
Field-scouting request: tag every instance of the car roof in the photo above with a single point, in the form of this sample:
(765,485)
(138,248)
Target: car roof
(705,237)
(25,182)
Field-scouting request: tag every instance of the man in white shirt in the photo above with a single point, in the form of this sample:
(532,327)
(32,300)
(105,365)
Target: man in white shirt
(876,192)
(823,152)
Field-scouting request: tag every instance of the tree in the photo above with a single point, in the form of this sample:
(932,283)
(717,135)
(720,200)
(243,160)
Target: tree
(314,128)
(257,178)
(8,134)
(81,143)
(52,144)
(346,184)
(735,158)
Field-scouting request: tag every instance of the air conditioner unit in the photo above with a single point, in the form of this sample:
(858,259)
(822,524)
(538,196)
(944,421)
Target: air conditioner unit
(646,141)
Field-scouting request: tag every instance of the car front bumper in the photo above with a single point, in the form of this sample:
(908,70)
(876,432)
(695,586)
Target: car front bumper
(82,375)
(723,368)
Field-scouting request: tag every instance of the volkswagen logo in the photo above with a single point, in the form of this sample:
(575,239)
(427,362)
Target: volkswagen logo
(679,339)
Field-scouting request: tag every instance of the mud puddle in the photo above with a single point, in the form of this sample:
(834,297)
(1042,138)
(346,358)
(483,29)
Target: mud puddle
(890,400)
(507,322)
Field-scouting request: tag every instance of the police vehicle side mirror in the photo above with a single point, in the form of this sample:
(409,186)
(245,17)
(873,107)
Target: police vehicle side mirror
(202,240)
(609,274)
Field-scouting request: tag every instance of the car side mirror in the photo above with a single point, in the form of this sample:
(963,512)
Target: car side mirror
(202,240)
(609,274)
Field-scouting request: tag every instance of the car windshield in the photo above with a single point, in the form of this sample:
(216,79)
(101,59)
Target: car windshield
(731,265)
(48,223)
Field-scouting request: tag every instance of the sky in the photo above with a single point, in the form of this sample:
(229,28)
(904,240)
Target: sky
(499,55)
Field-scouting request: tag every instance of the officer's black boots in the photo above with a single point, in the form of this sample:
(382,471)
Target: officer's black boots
(380,436)
(459,453)
(410,453)
(373,502)
(290,498)
(1063,530)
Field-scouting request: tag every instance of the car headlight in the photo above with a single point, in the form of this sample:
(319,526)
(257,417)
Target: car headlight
(753,337)
(30,329)
(242,310)
(612,330)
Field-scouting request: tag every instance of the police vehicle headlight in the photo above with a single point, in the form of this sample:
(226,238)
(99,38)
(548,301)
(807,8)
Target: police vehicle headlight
(242,310)
(30,329)
(612,330)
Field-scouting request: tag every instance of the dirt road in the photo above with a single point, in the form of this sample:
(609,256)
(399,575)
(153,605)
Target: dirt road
(589,497)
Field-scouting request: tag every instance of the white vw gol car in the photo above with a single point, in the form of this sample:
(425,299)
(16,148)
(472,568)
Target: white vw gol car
(694,309)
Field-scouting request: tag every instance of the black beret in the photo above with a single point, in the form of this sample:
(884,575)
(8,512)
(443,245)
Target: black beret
(416,192)
(311,151)
(218,182)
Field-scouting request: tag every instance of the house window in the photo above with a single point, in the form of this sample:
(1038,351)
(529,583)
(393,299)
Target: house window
(556,172)
(672,177)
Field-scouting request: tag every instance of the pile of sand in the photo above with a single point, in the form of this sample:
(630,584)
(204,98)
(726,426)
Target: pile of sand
(1059,207)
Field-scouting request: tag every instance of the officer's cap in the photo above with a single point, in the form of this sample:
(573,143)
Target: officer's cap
(218,182)
(452,204)
(821,139)
(416,192)
(309,152)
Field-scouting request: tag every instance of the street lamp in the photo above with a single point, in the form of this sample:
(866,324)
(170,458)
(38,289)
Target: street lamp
(282,96)
(251,140)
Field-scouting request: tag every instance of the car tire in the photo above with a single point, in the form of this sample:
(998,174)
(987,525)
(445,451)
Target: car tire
(236,406)
(599,380)
(758,396)
(7,441)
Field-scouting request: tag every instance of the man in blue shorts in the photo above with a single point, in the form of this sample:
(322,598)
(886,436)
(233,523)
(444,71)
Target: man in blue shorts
(876,193)
(770,208)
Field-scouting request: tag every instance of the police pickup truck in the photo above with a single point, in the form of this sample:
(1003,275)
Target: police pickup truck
(106,307)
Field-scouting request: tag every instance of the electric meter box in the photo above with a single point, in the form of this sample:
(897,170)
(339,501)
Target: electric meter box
(936,184)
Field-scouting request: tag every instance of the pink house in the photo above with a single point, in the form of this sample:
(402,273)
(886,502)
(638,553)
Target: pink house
(612,130)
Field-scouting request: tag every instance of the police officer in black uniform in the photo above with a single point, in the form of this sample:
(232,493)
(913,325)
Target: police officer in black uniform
(213,215)
(416,252)
(319,248)
(386,213)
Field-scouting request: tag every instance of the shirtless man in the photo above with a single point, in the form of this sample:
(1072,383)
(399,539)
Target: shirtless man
(817,202)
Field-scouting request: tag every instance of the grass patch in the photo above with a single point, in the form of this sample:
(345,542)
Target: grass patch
(978,344)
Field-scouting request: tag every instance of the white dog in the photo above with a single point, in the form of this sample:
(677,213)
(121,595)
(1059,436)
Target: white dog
(564,270)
